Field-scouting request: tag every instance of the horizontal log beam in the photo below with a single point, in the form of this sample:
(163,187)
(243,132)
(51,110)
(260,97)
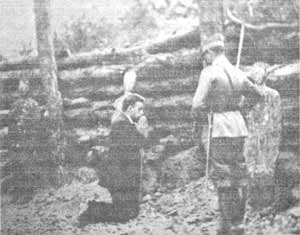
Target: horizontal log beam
(82,60)
(189,39)
(133,55)
(154,89)
(85,138)
(154,67)
(169,108)
(6,100)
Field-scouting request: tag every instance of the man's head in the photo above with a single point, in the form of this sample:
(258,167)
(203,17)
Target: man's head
(133,106)
(129,80)
(212,47)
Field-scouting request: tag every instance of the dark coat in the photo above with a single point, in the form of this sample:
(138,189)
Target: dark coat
(124,163)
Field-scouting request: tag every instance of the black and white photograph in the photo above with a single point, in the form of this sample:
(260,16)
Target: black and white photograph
(149,117)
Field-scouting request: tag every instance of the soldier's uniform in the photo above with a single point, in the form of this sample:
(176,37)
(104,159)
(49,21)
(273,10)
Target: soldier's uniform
(220,89)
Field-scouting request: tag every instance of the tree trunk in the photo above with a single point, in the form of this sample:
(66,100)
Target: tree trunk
(35,120)
(211,18)
(49,97)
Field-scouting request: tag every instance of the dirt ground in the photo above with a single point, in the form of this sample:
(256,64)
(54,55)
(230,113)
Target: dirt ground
(187,210)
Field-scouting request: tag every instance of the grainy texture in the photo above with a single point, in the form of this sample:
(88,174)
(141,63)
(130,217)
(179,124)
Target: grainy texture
(168,69)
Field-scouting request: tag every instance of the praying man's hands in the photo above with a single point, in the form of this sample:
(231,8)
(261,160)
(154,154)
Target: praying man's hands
(143,126)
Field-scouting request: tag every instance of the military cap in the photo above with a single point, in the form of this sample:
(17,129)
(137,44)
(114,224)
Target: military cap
(214,41)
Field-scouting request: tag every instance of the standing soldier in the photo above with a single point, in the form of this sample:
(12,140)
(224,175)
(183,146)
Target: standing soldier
(220,91)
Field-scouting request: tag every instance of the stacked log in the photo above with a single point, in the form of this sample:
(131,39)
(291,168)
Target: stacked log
(90,92)
(168,73)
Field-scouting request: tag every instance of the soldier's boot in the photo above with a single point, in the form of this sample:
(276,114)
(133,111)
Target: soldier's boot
(126,206)
(224,196)
(239,199)
(232,208)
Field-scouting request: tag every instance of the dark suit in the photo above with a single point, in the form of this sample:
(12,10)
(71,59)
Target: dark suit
(120,174)
(124,167)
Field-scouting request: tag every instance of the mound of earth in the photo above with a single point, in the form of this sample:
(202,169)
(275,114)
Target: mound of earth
(186,210)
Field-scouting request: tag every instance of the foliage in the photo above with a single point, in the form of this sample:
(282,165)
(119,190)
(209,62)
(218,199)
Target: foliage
(84,34)
(146,19)
(261,11)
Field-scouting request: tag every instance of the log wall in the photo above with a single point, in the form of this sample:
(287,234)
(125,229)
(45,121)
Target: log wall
(168,81)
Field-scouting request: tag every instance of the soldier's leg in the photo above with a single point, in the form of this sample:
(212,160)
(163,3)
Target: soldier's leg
(217,175)
(231,210)
(126,204)
(240,183)
(224,197)
(226,172)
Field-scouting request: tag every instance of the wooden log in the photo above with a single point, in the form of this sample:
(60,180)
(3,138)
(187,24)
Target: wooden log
(82,140)
(108,92)
(6,100)
(82,60)
(21,64)
(86,117)
(168,108)
(95,75)
(133,55)
(89,136)
(166,88)
(190,39)
(163,112)
(76,103)
(155,67)
(154,89)
(151,67)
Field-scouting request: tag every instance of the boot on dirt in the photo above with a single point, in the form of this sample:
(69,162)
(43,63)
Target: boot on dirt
(239,199)
(224,197)
(232,208)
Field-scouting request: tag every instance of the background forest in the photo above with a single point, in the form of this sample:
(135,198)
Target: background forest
(114,24)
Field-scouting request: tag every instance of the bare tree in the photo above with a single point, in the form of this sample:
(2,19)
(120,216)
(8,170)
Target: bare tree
(35,123)
(211,18)
(50,99)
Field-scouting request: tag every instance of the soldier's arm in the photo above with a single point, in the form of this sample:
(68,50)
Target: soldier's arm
(253,93)
(200,105)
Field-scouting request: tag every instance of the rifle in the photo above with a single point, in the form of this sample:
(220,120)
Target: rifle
(210,127)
